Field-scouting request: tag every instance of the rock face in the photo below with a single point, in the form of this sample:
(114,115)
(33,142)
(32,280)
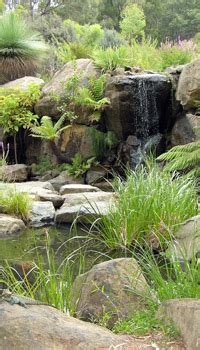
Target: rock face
(113,287)
(10,226)
(182,132)
(47,105)
(185,313)
(14,173)
(23,83)
(84,206)
(78,139)
(42,214)
(43,327)
(140,105)
(187,243)
(189,85)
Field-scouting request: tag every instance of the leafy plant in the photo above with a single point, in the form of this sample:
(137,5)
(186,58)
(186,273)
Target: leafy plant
(21,49)
(78,166)
(102,143)
(133,22)
(150,205)
(15,110)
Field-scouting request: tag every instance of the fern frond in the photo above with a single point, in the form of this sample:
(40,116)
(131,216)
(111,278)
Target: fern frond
(59,123)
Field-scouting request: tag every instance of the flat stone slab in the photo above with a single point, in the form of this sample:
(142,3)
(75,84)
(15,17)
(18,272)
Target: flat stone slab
(43,194)
(78,188)
(10,226)
(42,327)
(85,197)
(25,187)
(42,214)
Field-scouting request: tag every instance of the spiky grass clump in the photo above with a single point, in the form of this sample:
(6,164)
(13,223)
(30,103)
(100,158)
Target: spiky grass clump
(21,49)
(15,203)
(150,206)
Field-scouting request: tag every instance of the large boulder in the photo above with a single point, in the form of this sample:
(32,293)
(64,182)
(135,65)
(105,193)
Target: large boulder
(185,314)
(10,226)
(182,131)
(42,327)
(188,91)
(47,105)
(36,149)
(187,242)
(141,105)
(23,83)
(14,173)
(112,288)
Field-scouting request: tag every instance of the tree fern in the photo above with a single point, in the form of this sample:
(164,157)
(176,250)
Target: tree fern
(47,130)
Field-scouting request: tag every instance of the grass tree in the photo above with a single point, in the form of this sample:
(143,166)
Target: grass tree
(21,49)
(51,132)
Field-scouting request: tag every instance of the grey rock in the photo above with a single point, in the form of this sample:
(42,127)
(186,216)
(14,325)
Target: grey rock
(22,83)
(10,226)
(42,213)
(42,194)
(64,179)
(14,173)
(77,188)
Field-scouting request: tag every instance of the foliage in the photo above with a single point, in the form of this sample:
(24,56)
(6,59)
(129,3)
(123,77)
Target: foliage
(110,59)
(144,322)
(183,158)
(102,143)
(15,203)
(133,22)
(173,53)
(44,164)
(15,110)
(112,39)
(150,204)
(52,282)
(47,130)
(20,48)
(78,166)
(4,153)
(144,54)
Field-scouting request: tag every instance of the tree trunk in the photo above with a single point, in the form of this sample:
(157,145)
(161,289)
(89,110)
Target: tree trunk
(60,157)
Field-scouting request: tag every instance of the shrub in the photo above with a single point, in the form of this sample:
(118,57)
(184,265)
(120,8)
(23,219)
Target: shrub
(21,49)
(173,53)
(78,166)
(150,204)
(145,55)
(112,39)
(109,59)
(133,22)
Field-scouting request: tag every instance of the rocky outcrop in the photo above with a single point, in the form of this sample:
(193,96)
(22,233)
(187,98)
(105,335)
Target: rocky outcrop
(187,242)
(14,173)
(188,91)
(42,214)
(47,105)
(23,83)
(113,288)
(10,226)
(185,314)
(140,105)
(42,327)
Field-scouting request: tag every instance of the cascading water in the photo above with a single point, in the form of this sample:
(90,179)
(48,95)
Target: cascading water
(141,107)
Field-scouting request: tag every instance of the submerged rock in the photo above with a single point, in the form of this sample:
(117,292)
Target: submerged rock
(10,226)
(42,327)
(113,288)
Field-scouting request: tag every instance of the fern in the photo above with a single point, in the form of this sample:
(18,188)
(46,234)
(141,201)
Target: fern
(97,87)
(183,157)
(47,130)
